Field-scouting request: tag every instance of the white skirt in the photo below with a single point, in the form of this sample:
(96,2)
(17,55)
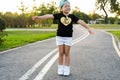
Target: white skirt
(64,40)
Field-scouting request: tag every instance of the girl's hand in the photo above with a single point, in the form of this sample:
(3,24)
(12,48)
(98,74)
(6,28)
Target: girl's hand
(35,17)
(90,32)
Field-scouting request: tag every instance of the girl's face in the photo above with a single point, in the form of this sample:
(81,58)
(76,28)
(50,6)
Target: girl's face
(66,8)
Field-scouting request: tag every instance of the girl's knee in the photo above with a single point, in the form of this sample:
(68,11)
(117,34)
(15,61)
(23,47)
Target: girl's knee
(61,54)
(66,54)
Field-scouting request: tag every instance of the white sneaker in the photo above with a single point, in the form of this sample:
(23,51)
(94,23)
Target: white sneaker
(60,69)
(66,71)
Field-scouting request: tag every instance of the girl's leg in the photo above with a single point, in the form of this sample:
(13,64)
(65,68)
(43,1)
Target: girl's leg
(64,50)
(61,51)
(60,59)
(67,55)
(67,61)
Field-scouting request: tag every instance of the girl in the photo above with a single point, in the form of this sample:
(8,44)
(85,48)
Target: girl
(64,34)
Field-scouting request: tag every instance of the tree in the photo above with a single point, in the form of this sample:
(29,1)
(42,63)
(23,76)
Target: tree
(47,9)
(34,8)
(81,15)
(115,6)
(52,8)
(111,20)
(102,4)
(94,16)
(2,27)
(8,16)
(23,8)
(1,14)
(2,24)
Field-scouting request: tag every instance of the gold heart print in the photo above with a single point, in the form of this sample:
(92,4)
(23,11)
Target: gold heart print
(66,21)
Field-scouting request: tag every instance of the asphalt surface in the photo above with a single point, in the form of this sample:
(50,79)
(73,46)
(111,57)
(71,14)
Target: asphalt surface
(92,58)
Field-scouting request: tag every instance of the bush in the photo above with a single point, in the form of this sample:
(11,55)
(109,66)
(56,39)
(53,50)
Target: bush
(118,21)
(111,20)
(2,35)
(2,27)
(2,24)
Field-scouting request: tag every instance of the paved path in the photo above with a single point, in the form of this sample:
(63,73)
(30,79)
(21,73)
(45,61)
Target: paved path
(92,58)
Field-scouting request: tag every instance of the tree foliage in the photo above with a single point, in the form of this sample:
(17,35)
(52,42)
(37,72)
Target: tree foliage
(81,15)
(2,27)
(24,19)
(47,9)
(115,6)
(23,8)
(2,24)
(112,5)
(94,16)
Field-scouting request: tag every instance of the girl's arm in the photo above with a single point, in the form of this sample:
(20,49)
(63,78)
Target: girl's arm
(85,25)
(44,17)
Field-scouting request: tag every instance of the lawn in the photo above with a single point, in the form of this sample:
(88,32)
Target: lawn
(19,38)
(116,33)
(112,28)
(105,26)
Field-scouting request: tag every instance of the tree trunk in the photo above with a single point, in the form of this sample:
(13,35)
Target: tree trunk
(106,16)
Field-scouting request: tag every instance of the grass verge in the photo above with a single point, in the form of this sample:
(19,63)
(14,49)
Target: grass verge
(116,33)
(20,38)
(105,26)
(114,28)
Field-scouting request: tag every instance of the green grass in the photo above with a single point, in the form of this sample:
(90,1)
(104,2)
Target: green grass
(105,26)
(113,28)
(19,38)
(116,33)
(53,26)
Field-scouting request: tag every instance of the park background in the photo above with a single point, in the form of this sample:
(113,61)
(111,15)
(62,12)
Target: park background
(101,14)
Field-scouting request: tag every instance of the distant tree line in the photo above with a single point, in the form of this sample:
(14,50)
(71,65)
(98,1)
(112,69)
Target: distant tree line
(23,20)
